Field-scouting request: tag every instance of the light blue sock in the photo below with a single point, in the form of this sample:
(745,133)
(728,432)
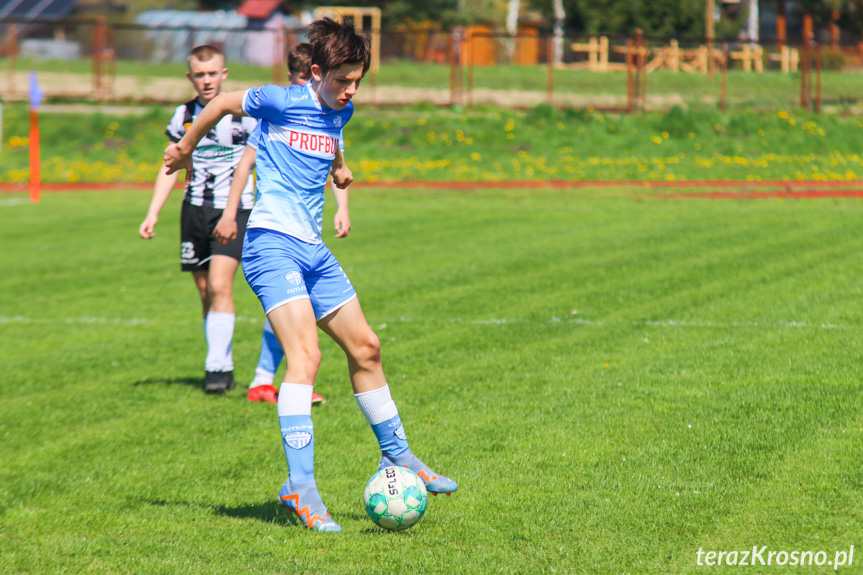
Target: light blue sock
(383,416)
(298,439)
(392,438)
(271,350)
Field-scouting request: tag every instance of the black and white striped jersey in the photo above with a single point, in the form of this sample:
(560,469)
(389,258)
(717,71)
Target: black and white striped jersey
(215,158)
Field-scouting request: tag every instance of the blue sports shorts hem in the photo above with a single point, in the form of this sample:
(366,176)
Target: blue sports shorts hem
(281,269)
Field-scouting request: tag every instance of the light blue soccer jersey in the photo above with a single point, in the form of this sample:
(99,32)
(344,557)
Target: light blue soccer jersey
(297,145)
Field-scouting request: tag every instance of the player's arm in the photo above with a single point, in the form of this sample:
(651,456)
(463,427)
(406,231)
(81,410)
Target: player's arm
(226,229)
(161,190)
(341,173)
(342,220)
(177,155)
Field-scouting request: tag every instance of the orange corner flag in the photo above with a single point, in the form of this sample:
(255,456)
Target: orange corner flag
(36,97)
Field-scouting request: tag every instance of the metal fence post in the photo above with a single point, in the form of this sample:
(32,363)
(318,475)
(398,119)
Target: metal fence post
(12,51)
(806,72)
(98,57)
(549,82)
(639,70)
(724,81)
(470,69)
(280,47)
(818,78)
(630,77)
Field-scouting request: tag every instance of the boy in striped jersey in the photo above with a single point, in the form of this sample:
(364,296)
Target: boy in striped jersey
(212,265)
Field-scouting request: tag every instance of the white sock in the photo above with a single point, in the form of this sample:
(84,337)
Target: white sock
(220,335)
(377,405)
(295,399)
(262,377)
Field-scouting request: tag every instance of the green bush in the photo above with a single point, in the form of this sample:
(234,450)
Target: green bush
(833,59)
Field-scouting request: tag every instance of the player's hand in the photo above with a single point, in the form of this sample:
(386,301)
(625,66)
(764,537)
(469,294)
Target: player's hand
(342,176)
(342,224)
(145,230)
(176,160)
(226,231)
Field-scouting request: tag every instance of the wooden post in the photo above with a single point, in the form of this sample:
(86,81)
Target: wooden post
(603,53)
(674,55)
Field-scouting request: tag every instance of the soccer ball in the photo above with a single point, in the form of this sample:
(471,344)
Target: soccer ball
(395,498)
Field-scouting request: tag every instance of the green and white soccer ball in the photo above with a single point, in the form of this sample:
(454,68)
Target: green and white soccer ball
(395,498)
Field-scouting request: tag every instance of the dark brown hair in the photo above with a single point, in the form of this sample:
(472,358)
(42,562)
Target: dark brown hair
(336,43)
(300,60)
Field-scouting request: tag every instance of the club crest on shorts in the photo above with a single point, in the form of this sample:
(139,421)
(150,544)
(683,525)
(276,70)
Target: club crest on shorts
(294,278)
(298,439)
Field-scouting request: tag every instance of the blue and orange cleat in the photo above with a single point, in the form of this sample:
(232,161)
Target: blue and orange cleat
(311,510)
(435,483)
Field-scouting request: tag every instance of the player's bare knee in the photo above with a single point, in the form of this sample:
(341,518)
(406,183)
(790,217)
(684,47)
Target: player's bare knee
(219,288)
(303,366)
(367,352)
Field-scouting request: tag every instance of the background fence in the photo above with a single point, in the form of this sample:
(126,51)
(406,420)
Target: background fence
(136,63)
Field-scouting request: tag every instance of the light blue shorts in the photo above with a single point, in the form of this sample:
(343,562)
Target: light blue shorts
(281,268)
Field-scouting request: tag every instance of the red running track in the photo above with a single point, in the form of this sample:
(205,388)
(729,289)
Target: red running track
(711,189)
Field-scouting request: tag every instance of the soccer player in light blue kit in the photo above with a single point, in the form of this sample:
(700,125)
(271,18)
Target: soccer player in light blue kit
(296,277)
(261,388)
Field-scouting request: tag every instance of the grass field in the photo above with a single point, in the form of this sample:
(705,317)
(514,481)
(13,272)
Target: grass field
(481,144)
(615,379)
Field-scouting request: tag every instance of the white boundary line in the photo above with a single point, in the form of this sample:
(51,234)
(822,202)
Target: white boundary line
(641,323)
(14,201)
(671,323)
(71,320)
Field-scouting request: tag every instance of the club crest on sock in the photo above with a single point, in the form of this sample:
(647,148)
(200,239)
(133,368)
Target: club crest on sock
(297,437)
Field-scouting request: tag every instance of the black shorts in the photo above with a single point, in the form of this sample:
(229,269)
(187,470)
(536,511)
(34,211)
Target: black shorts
(197,243)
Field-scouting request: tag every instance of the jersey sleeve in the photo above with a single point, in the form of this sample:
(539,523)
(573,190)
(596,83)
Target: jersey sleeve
(255,138)
(176,130)
(265,102)
(342,140)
